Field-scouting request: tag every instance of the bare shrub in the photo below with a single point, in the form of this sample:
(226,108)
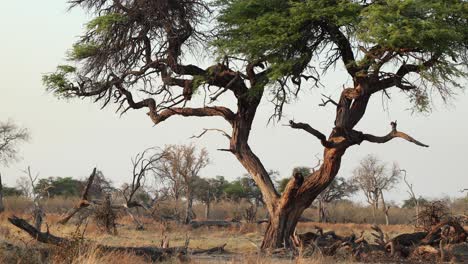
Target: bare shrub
(105,217)
(432,214)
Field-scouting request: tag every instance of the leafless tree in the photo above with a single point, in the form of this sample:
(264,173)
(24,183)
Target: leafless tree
(374,177)
(339,189)
(143,163)
(412,196)
(179,166)
(38,211)
(11,135)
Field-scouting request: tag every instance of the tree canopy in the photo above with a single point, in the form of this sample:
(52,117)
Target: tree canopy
(425,41)
(136,54)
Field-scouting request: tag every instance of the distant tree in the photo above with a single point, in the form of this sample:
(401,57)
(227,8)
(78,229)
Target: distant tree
(208,191)
(414,202)
(100,187)
(180,165)
(411,203)
(11,191)
(58,186)
(339,189)
(10,137)
(374,177)
(234,191)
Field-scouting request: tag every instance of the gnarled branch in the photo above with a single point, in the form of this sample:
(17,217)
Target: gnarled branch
(393,134)
(221,111)
(314,132)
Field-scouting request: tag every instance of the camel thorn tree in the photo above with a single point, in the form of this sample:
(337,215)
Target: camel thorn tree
(135,49)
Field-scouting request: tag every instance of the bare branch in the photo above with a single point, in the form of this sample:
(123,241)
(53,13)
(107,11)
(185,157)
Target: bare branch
(221,111)
(393,134)
(314,132)
(205,130)
(84,202)
(329,100)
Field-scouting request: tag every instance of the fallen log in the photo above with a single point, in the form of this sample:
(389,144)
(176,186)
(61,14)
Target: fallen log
(214,250)
(152,253)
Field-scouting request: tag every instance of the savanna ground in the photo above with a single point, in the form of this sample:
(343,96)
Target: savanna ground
(242,242)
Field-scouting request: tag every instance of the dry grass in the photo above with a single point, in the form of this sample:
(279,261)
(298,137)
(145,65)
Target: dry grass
(242,242)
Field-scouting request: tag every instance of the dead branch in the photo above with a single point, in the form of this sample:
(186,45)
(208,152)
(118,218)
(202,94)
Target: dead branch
(153,253)
(329,100)
(393,134)
(83,203)
(205,130)
(314,132)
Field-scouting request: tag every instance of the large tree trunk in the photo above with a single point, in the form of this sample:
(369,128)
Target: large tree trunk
(281,227)
(297,196)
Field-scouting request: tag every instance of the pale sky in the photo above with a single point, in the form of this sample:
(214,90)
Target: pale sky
(70,137)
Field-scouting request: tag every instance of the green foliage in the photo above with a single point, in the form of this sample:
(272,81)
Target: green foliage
(102,24)
(67,187)
(411,202)
(207,190)
(288,33)
(281,184)
(430,25)
(234,191)
(82,50)
(198,81)
(283,32)
(12,191)
(59,80)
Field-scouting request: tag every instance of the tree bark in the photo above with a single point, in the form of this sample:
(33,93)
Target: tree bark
(281,227)
(297,196)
